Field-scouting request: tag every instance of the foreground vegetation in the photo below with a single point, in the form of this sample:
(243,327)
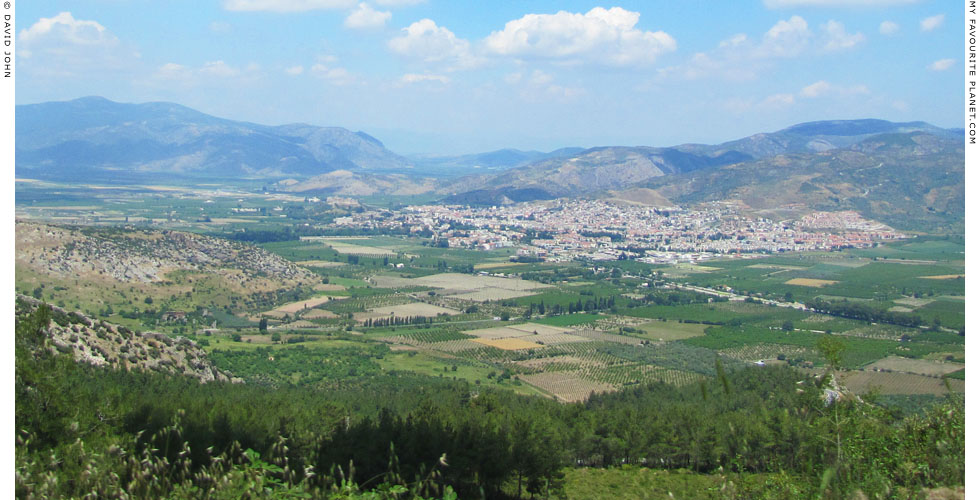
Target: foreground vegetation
(753,433)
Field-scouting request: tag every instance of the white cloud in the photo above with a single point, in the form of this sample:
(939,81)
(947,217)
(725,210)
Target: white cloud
(365,18)
(219,69)
(600,36)
(430,43)
(733,42)
(66,29)
(399,3)
(513,78)
(740,58)
(210,72)
(287,5)
(838,38)
(410,78)
(173,71)
(815,89)
(62,46)
(778,4)
(785,39)
(778,100)
(942,64)
(294,70)
(888,28)
(822,88)
(540,77)
(931,23)
(332,75)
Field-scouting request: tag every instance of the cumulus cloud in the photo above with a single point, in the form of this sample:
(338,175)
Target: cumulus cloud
(816,89)
(822,88)
(931,23)
(287,5)
(942,64)
(294,70)
(778,4)
(332,75)
(399,3)
(888,28)
(786,38)
(366,18)
(212,72)
(66,29)
(741,58)
(410,78)
(778,100)
(599,36)
(838,38)
(62,46)
(426,41)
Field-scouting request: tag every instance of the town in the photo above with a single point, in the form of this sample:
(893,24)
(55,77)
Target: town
(561,231)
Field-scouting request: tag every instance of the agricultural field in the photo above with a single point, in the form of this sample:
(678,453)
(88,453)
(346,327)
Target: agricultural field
(918,366)
(562,330)
(863,382)
(411,309)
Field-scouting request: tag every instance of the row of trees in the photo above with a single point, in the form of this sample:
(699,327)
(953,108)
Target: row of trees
(864,312)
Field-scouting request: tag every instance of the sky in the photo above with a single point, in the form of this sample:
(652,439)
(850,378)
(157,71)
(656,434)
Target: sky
(466,76)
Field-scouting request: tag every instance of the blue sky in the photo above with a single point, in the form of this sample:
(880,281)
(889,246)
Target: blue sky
(455,76)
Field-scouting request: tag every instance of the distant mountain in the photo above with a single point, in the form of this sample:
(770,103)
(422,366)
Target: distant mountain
(501,159)
(911,180)
(591,170)
(619,168)
(821,136)
(347,183)
(93,136)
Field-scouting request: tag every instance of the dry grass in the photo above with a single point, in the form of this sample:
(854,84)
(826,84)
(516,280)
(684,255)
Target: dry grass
(470,282)
(318,314)
(405,310)
(775,266)
(295,307)
(326,287)
(499,332)
(815,283)
(898,383)
(558,339)
(541,329)
(491,294)
(914,302)
(508,344)
(943,277)
(493,265)
(919,366)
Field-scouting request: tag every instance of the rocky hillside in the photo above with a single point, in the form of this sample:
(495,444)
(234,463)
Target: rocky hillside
(147,256)
(619,168)
(94,268)
(596,169)
(104,344)
(911,181)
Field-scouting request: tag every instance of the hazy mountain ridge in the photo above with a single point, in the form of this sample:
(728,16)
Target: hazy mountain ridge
(619,168)
(56,139)
(909,180)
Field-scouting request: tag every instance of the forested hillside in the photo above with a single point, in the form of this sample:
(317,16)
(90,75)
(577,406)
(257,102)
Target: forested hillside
(759,433)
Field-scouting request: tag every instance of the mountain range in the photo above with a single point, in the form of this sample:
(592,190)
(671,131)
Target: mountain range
(911,173)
